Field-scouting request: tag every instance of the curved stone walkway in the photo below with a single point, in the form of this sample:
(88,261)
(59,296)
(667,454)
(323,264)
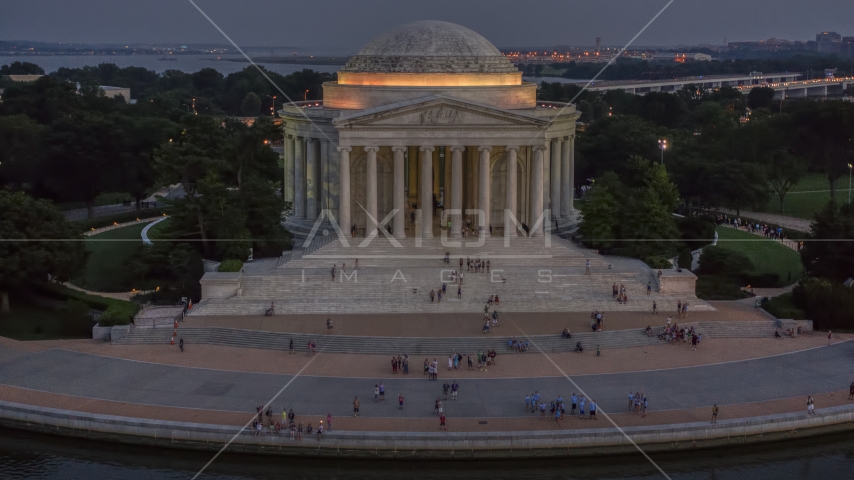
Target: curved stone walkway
(809,372)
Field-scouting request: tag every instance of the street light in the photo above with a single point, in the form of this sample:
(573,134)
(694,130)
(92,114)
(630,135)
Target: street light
(305,96)
(849,183)
(662,144)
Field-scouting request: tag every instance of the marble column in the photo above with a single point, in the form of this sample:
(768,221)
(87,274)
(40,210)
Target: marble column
(565,184)
(510,190)
(299,178)
(457,191)
(426,190)
(344,189)
(536,189)
(371,191)
(288,180)
(312,178)
(325,162)
(571,183)
(483,203)
(399,193)
(555,176)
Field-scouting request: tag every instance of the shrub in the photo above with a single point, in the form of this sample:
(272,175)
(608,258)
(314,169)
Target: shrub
(115,312)
(715,260)
(783,306)
(828,304)
(696,231)
(231,265)
(657,261)
(714,287)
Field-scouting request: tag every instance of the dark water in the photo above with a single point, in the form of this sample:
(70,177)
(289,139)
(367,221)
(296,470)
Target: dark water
(31,456)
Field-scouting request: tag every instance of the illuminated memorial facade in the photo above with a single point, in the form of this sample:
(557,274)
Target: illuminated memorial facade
(430,122)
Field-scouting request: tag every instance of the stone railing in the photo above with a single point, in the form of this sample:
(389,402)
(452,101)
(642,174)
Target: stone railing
(355,444)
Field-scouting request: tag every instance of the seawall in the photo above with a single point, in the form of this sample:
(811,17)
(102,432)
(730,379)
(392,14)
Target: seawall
(350,444)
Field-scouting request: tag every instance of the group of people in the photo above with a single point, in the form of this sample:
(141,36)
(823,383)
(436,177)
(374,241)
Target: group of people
(557,407)
(487,318)
(682,309)
(287,423)
(638,403)
(597,321)
(442,292)
(676,333)
(517,345)
(619,293)
(400,363)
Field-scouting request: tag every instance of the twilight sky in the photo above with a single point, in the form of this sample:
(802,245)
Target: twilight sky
(346,25)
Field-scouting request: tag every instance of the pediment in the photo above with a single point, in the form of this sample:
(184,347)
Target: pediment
(439,112)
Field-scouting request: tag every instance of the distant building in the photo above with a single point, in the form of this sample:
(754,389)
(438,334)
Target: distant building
(23,78)
(828,42)
(113,92)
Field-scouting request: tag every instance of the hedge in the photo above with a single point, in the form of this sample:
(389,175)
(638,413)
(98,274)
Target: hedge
(230,265)
(115,312)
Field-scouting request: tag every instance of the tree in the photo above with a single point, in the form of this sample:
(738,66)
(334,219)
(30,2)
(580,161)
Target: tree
(140,137)
(600,216)
(251,105)
(35,240)
(83,158)
(760,97)
(832,256)
(784,172)
(20,150)
(21,68)
(826,132)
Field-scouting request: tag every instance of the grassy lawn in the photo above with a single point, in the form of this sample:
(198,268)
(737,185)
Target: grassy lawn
(807,197)
(767,256)
(106,269)
(159,231)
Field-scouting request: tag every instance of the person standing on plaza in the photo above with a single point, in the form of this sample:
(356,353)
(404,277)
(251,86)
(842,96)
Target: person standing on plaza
(455,387)
(593,409)
(446,387)
(376,393)
(400,401)
(581,408)
(649,288)
(181,344)
(851,391)
(654,308)
(810,405)
(442,425)
(382,392)
(715,413)
(587,267)
(329,421)
(356,404)
(291,347)
(333,273)
(829,336)
(574,400)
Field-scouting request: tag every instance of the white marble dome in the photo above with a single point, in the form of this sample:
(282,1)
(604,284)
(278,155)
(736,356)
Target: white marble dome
(430,47)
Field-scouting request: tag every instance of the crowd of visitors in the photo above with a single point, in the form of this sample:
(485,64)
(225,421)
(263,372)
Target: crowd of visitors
(287,422)
(619,293)
(597,321)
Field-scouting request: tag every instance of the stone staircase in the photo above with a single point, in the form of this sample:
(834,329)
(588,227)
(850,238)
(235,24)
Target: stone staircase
(496,340)
(528,277)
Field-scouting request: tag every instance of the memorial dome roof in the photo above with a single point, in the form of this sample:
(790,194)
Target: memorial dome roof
(430,47)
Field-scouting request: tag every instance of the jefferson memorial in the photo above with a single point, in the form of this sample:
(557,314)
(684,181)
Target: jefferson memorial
(429,126)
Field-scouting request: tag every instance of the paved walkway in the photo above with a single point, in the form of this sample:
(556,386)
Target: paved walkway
(793,223)
(63,372)
(465,324)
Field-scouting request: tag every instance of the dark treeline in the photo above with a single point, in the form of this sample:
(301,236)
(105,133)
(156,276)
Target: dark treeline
(62,140)
(724,149)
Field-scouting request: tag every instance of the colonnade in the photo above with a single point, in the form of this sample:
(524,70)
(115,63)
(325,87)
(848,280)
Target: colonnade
(560,202)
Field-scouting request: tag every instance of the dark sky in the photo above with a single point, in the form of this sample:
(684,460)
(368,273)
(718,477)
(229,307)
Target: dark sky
(348,24)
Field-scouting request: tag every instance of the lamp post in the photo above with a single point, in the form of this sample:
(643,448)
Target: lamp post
(849,183)
(662,144)
(305,96)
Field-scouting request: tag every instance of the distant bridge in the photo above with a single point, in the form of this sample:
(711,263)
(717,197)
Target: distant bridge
(707,81)
(785,85)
